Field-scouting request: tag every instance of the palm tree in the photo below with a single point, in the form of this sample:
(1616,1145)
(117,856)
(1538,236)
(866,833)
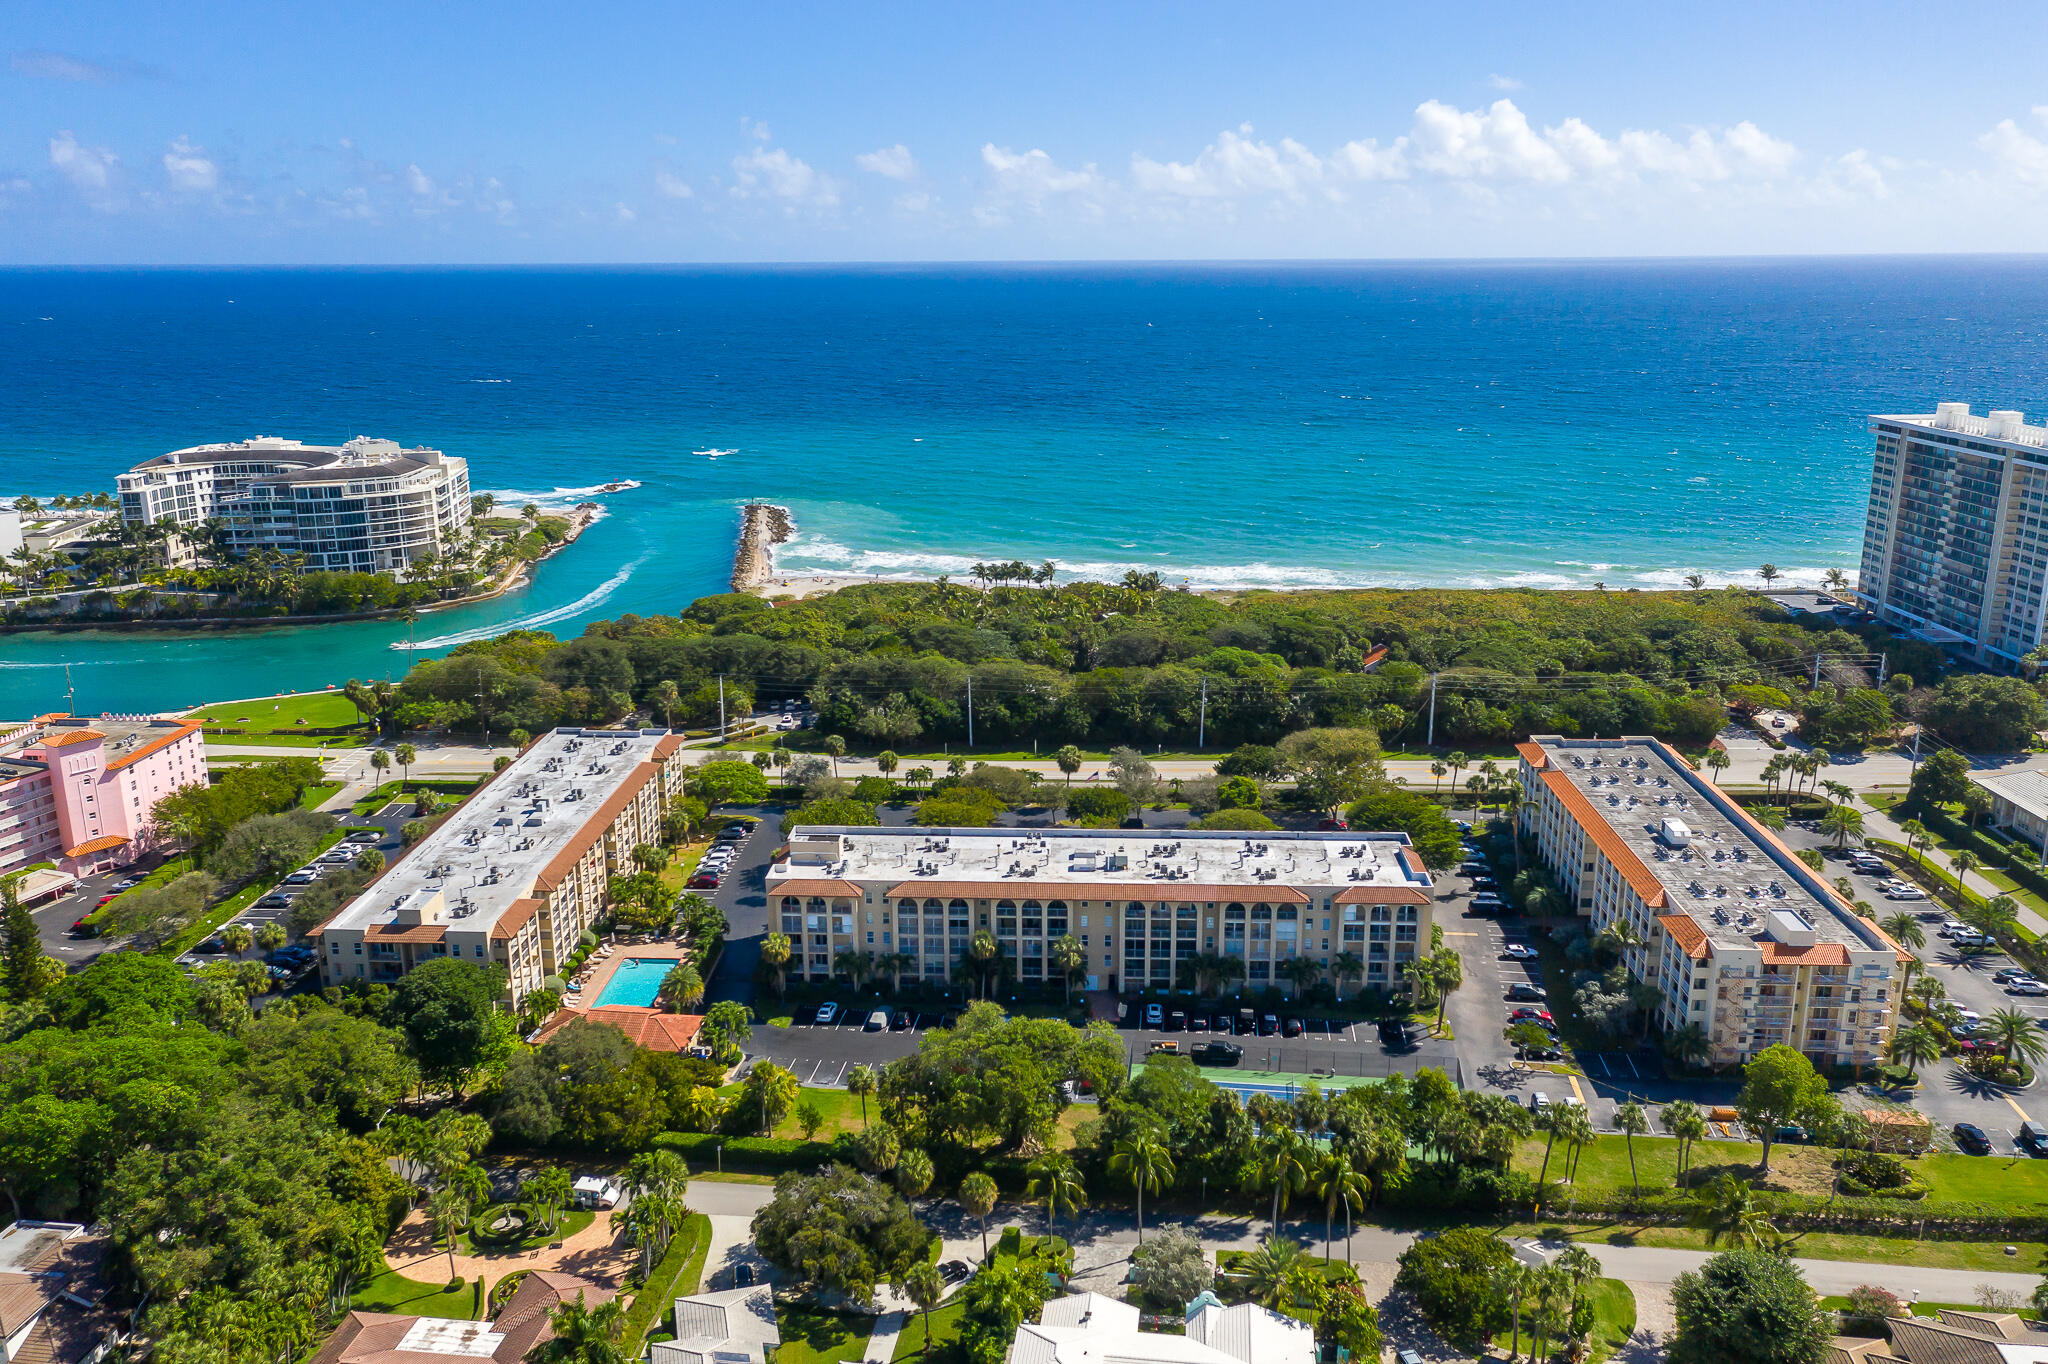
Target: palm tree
(549,1192)
(1844,822)
(1769,573)
(982,949)
(1688,1045)
(1069,955)
(407,755)
(925,1289)
(237,939)
(668,696)
(1718,761)
(1339,1182)
(1772,817)
(1283,1167)
(1964,862)
(860,1082)
(449,1213)
(1916,1045)
(1630,1119)
(271,936)
(1068,759)
(1144,1160)
(1576,1127)
(1269,1272)
(1515,1280)
(1916,839)
(1057,1180)
(1346,966)
(1686,1121)
(682,989)
(977,1198)
(775,952)
(1696,581)
(584,1335)
(2017,1036)
(1905,930)
(1726,1209)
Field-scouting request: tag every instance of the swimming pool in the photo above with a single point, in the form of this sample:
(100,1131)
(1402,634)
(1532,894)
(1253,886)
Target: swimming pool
(636,982)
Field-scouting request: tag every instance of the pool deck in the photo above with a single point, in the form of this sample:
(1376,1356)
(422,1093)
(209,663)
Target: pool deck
(596,978)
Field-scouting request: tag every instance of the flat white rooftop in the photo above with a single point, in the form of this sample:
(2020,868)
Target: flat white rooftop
(1014,861)
(490,851)
(2006,427)
(1713,866)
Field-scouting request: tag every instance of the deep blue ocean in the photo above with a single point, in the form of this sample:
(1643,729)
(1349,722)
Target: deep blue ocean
(1481,424)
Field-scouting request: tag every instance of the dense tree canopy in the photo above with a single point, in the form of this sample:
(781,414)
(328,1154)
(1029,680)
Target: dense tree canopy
(841,1230)
(888,664)
(1747,1307)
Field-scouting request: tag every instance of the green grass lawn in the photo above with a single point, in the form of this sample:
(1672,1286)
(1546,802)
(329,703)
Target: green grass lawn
(810,1336)
(1928,1309)
(2018,1185)
(1614,1321)
(568,1224)
(318,710)
(841,1110)
(393,1292)
(1974,1255)
(945,1333)
(314,796)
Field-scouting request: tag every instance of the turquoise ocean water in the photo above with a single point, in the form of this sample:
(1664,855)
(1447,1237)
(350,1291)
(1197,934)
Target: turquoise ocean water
(1545,424)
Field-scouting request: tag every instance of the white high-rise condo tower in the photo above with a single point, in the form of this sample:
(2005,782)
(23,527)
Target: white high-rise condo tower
(1954,549)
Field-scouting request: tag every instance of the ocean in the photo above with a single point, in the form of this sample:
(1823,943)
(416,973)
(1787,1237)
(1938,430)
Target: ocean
(1469,425)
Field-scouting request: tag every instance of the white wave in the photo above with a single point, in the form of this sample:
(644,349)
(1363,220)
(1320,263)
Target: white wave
(534,622)
(515,497)
(818,554)
(490,381)
(714,452)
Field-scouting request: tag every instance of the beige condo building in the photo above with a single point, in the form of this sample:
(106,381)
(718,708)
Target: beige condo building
(1740,936)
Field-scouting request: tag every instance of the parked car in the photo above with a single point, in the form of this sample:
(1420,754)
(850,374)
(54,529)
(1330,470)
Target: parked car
(1269,1024)
(1529,1015)
(1218,1054)
(1904,893)
(274,900)
(1332,824)
(1522,990)
(902,1020)
(1198,1022)
(703,880)
(1398,1036)
(302,878)
(1519,951)
(1538,1054)
(1155,1015)
(1539,1101)
(1177,1021)
(2005,975)
(2026,985)
(127,883)
(1224,1023)
(827,1014)
(2034,1137)
(878,1021)
(734,833)
(1293,1027)
(954,1271)
(1972,1139)
(743,1275)
(365,836)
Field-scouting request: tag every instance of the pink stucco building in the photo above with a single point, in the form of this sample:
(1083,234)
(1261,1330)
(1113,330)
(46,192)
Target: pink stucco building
(81,793)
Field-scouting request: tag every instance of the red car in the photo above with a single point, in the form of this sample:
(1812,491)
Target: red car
(1529,1016)
(704,880)
(104,899)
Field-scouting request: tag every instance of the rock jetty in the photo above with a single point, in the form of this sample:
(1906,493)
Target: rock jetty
(763,526)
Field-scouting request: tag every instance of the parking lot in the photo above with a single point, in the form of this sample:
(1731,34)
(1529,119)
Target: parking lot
(821,1053)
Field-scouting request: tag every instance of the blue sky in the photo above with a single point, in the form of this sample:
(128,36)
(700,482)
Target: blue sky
(511,132)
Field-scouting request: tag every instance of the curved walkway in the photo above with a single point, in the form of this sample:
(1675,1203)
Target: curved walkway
(596,1253)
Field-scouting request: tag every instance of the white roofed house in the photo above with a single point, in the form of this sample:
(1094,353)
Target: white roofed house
(2019,803)
(736,1326)
(1087,1328)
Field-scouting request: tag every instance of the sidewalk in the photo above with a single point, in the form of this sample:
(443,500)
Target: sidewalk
(1878,824)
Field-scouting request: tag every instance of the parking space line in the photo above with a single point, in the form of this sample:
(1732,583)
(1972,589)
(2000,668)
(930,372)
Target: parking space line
(1577,1093)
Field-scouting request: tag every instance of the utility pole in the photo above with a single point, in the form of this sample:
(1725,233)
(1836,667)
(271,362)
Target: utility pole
(1430,742)
(970,712)
(1816,672)
(1883,661)
(1202,725)
(1915,768)
(70,692)
(721,705)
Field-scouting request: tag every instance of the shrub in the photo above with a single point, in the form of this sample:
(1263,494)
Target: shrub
(1103,804)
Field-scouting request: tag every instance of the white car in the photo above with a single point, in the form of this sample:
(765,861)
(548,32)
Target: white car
(1950,927)
(1904,893)
(1519,951)
(2026,985)
(1970,1017)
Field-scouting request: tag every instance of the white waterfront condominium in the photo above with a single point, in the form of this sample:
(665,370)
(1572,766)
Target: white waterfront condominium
(366,506)
(1954,549)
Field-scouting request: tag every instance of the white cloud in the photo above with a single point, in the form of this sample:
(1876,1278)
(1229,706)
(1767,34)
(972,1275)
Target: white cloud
(1034,176)
(772,173)
(492,197)
(89,168)
(669,185)
(1233,166)
(1507,83)
(1366,159)
(624,214)
(2019,155)
(891,163)
(419,182)
(1854,173)
(189,169)
(1496,143)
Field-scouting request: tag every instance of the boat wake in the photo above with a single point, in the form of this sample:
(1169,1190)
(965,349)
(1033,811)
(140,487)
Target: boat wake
(714,454)
(586,602)
(563,498)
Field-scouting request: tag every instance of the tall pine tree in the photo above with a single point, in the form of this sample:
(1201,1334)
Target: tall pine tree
(19,946)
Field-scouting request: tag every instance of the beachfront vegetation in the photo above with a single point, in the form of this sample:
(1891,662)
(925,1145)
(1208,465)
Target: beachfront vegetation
(887,666)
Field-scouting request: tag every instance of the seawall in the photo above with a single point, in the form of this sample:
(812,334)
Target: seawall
(763,526)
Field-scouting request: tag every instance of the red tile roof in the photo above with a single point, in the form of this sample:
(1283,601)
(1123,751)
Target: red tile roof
(1383,895)
(69,737)
(405,933)
(798,885)
(93,845)
(1819,954)
(163,741)
(1638,876)
(515,917)
(1690,937)
(1534,755)
(646,1028)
